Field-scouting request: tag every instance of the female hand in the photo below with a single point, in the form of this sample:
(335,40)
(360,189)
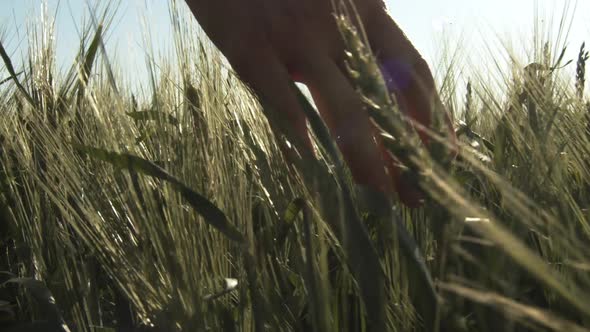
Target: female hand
(269,43)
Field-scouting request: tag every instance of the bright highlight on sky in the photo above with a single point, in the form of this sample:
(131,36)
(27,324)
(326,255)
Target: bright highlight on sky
(430,24)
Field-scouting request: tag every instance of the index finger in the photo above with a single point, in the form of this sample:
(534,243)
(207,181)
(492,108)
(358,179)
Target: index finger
(405,71)
(344,112)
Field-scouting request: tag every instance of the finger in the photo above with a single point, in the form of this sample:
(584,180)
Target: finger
(408,192)
(344,113)
(405,71)
(268,78)
(409,78)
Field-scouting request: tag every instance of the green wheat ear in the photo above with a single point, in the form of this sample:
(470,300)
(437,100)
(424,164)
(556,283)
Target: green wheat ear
(583,57)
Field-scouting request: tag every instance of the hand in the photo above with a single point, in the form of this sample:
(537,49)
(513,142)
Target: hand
(271,42)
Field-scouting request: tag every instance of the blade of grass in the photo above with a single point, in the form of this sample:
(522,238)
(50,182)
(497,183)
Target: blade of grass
(89,59)
(13,76)
(212,214)
(513,309)
(360,252)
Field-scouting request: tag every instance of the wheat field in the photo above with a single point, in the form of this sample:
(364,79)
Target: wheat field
(179,211)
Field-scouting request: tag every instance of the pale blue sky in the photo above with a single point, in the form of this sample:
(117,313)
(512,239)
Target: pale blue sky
(428,23)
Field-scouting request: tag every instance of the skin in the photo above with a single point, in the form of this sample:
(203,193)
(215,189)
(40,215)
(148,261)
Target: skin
(269,43)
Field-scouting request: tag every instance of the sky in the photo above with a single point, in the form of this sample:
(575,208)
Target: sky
(469,27)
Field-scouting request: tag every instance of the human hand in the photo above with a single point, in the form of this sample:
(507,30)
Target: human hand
(271,42)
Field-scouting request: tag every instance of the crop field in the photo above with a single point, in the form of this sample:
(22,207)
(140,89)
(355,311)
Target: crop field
(185,209)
